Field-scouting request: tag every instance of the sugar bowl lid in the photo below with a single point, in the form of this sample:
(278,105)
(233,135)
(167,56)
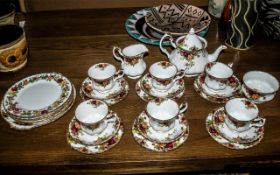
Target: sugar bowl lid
(190,41)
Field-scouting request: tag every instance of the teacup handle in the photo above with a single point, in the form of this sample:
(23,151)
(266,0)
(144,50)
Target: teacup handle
(180,74)
(118,75)
(230,64)
(117,52)
(259,122)
(183,107)
(170,38)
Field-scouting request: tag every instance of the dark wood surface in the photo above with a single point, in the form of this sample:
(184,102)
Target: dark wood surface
(70,42)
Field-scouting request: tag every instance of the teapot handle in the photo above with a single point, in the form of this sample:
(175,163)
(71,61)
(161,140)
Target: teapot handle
(117,52)
(170,38)
(203,40)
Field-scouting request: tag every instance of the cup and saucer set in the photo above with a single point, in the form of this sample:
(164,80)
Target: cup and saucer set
(94,128)
(162,126)
(105,83)
(162,81)
(217,84)
(237,125)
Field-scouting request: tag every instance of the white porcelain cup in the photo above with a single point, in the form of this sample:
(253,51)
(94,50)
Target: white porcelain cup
(164,74)
(217,75)
(92,115)
(260,85)
(242,114)
(162,113)
(104,76)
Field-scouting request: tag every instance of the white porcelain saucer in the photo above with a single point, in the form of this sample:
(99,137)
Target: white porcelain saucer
(179,129)
(146,97)
(247,136)
(48,118)
(146,85)
(216,135)
(155,146)
(94,149)
(110,101)
(75,131)
(211,96)
(256,98)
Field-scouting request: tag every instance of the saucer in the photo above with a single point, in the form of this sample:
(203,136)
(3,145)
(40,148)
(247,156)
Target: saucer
(146,85)
(256,98)
(147,97)
(86,149)
(155,146)
(110,101)
(199,81)
(49,118)
(89,91)
(247,136)
(180,127)
(215,134)
(75,131)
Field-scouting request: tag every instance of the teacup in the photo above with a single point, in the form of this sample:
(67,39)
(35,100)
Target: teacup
(260,85)
(7,13)
(242,114)
(217,75)
(164,74)
(162,113)
(92,115)
(13,48)
(104,76)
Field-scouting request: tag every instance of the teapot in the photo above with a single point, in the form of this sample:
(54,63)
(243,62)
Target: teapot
(132,59)
(190,53)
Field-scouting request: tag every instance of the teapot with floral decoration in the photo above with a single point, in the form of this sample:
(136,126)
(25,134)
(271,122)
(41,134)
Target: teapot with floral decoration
(190,53)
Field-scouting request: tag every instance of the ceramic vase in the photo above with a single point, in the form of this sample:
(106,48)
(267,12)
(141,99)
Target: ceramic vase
(243,19)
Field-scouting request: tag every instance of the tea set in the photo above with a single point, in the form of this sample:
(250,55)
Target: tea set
(162,126)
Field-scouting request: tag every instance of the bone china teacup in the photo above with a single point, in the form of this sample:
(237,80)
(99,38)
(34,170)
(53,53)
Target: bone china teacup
(162,113)
(217,75)
(104,76)
(164,74)
(242,114)
(261,86)
(92,115)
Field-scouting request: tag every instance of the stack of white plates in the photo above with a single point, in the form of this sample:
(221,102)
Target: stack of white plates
(37,100)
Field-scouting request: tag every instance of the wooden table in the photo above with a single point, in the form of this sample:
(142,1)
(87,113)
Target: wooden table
(70,42)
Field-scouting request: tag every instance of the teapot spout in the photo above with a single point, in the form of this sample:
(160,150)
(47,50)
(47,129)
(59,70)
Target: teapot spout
(214,56)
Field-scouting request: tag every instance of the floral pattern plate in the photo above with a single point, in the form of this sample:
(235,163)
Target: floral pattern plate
(155,146)
(256,98)
(18,101)
(214,133)
(146,97)
(138,29)
(180,127)
(110,101)
(215,99)
(177,88)
(75,131)
(247,136)
(50,118)
(86,149)
(89,91)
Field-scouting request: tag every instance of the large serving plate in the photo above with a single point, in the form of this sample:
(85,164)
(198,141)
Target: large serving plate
(37,95)
(177,19)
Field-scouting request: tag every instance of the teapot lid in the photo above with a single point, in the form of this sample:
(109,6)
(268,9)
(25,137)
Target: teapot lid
(190,41)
